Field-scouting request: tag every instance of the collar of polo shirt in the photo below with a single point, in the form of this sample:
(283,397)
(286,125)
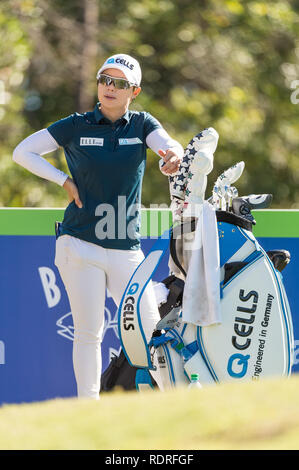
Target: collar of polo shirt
(99,115)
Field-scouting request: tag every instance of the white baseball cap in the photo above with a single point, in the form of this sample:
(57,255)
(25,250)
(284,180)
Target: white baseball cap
(127,64)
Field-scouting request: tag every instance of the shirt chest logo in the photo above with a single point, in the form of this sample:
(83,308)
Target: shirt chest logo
(131,141)
(95,141)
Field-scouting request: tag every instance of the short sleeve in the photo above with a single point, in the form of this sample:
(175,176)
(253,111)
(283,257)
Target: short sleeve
(63,130)
(150,124)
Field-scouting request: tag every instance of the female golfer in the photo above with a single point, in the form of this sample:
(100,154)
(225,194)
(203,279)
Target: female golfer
(98,244)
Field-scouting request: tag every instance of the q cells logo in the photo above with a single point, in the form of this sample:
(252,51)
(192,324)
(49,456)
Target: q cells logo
(243,327)
(128,310)
(242,363)
(120,60)
(133,288)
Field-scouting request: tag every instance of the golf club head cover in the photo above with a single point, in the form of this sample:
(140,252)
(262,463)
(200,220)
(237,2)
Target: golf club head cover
(279,258)
(189,183)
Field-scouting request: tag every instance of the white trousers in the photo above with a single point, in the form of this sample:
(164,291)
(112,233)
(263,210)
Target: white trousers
(87,270)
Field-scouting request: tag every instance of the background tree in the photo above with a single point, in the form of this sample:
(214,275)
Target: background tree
(222,63)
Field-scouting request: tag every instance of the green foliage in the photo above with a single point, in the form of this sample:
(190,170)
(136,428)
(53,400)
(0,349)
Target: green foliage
(221,63)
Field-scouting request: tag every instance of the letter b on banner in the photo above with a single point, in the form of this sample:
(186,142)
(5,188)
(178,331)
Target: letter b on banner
(51,290)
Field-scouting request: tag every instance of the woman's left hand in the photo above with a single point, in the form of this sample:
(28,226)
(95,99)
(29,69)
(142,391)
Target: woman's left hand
(172,161)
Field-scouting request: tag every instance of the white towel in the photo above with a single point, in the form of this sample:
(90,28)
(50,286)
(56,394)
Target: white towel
(201,298)
(161,293)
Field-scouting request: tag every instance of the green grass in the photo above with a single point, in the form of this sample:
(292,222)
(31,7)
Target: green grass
(262,415)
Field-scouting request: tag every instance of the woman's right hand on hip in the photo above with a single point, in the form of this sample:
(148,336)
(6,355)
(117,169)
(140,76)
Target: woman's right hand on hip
(72,191)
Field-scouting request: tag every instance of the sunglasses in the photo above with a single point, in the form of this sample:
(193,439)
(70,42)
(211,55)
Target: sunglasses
(119,83)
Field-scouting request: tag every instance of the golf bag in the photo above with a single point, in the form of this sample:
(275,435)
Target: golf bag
(253,339)
(120,374)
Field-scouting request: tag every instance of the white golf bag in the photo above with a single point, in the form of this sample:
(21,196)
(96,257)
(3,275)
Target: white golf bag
(253,338)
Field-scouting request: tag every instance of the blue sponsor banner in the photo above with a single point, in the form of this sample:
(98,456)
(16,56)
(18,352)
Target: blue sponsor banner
(36,328)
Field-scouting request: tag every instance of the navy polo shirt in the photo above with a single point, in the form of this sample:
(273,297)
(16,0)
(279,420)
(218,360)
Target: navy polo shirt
(107,163)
